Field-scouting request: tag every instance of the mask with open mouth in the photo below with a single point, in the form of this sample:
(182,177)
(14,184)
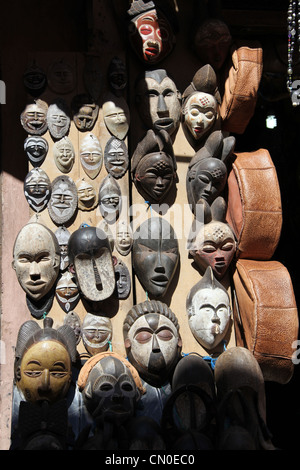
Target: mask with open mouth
(34,118)
(37,189)
(90,255)
(64,200)
(58,119)
(116,158)
(36,149)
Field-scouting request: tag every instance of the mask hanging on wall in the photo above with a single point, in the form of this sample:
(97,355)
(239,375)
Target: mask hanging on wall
(158,101)
(63,235)
(90,254)
(96,333)
(154,167)
(123,281)
(36,149)
(155,255)
(42,351)
(85,112)
(87,196)
(151,31)
(124,238)
(92,76)
(110,199)
(116,116)
(152,341)
(64,154)
(34,79)
(63,202)
(36,260)
(61,77)
(58,119)
(116,158)
(34,118)
(209,311)
(91,156)
(67,292)
(72,319)
(117,76)
(37,189)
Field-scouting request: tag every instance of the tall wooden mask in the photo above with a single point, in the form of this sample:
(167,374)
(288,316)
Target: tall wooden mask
(116,116)
(37,189)
(43,361)
(209,311)
(58,119)
(36,260)
(152,341)
(90,254)
(91,156)
(110,199)
(64,200)
(155,255)
(154,167)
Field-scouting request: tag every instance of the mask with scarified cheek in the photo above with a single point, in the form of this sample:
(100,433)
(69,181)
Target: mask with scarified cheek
(152,341)
(37,189)
(90,255)
(67,292)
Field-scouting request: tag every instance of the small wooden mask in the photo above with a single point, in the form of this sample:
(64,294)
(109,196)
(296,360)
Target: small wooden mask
(34,118)
(155,255)
(154,168)
(72,319)
(61,77)
(87,195)
(34,79)
(96,333)
(36,259)
(36,149)
(123,281)
(64,154)
(91,156)
(63,235)
(116,158)
(209,311)
(58,119)
(124,238)
(116,116)
(63,202)
(117,75)
(158,101)
(110,199)
(85,112)
(90,255)
(43,361)
(67,292)
(37,189)
(151,32)
(152,341)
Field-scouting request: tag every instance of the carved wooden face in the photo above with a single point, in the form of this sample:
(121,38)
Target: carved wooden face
(155,174)
(63,202)
(91,156)
(34,118)
(64,154)
(110,198)
(151,36)
(85,112)
(206,180)
(124,238)
(36,149)
(72,319)
(61,77)
(96,333)
(209,316)
(214,246)
(37,189)
(152,345)
(123,281)
(87,196)
(158,102)
(200,114)
(45,371)
(116,117)
(67,292)
(36,260)
(58,120)
(116,157)
(110,392)
(63,235)
(155,255)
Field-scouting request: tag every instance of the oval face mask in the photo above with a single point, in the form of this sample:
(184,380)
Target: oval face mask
(116,116)
(58,119)
(64,155)
(110,199)
(34,118)
(37,189)
(63,202)
(36,149)
(67,292)
(87,196)
(85,112)
(91,156)
(116,158)
(96,333)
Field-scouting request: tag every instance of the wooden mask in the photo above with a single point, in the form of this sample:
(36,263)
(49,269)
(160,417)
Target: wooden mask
(96,333)
(90,255)
(117,75)
(36,259)
(37,189)
(91,156)
(154,168)
(155,255)
(123,281)
(116,116)
(152,341)
(85,112)
(63,202)
(61,77)
(124,238)
(64,154)
(72,319)
(36,149)
(34,118)
(34,79)
(158,101)
(110,199)
(58,119)
(209,311)
(151,32)
(67,292)
(87,196)
(116,158)
(43,361)
(63,235)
